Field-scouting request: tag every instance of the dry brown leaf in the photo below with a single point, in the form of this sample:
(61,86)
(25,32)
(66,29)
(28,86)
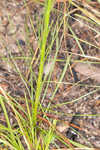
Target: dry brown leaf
(88,70)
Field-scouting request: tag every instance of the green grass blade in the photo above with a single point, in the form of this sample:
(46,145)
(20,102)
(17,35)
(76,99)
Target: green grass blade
(48,7)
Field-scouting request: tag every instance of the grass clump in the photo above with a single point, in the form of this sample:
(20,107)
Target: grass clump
(35,121)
